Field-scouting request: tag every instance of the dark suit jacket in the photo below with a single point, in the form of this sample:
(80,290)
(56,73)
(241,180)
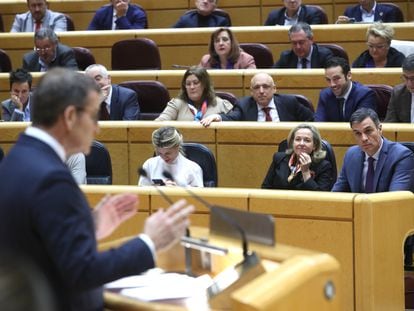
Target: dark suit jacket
(45,216)
(307,14)
(65,57)
(124,104)
(288,59)
(328,108)
(394,59)
(193,19)
(399,108)
(135,18)
(394,170)
(288,108)
(279,171)
(383,13)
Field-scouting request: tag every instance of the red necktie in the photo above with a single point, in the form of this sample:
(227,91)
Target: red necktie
(38,25)
(103,112)
(267,113)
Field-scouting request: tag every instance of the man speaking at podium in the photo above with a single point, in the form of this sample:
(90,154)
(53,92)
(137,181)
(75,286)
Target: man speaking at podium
(45,216)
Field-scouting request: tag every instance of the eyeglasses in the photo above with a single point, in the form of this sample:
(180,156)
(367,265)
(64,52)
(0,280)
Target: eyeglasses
(42,50)
(190,83)
(376,46)
(407,79)
(224,39)
(264,86)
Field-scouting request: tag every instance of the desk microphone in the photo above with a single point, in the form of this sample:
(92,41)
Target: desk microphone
(143,173)
(222,214)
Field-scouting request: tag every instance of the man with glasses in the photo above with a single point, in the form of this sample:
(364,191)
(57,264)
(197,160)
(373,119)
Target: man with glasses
(343,96)
(17,108)
(38,16)
(401,105)
(203,16)
(264,105)
(304,53)
(49,53)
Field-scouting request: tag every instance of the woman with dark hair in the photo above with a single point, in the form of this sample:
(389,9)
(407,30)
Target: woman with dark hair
(302,166)
(196,99)
(225,53)
(168,145)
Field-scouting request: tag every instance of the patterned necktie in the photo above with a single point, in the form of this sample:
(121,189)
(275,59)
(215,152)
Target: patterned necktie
(267,113)
(341,102)
(369,181)
(304,62)
(38,25)
(103,112)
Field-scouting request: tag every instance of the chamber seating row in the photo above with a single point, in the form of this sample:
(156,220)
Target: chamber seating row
(163,14)
(187,46)
(243,150)
(351,227)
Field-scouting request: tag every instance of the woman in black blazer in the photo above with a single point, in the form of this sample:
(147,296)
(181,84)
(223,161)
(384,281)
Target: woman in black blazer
(303,165)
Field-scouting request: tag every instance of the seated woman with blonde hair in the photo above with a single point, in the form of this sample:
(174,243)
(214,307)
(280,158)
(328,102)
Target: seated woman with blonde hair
(303,165)
(196,99)
(170,167)
(225,52)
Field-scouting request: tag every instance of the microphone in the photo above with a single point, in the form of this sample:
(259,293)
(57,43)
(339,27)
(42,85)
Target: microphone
(220,213)
(143,173)
(180,66)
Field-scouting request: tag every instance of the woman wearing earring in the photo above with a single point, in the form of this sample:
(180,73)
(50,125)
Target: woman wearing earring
(302,166)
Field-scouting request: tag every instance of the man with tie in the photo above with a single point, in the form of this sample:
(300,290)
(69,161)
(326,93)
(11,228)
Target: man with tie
(304,53)
(343,96)
(376,164)
(118,103)
(264,105)
(38,16)
(401,106)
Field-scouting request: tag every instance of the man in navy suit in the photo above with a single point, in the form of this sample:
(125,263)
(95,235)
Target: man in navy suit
(48,53)
(376,164)
(203,16)
(119,15)
(304,53)
(119,103)
(343,96)
(292,12)
(369,11)
(264,105)
(45,216)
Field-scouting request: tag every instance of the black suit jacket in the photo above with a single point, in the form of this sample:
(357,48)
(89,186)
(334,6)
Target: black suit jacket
(50,222)
(65,57)
(279,171)
(193,19)
(124,104)
(307,14)
(288,108)
(383,13)
(320,55)
(394,59)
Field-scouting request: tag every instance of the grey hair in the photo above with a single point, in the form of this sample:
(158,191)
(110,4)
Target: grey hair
(46,33)
(301,26)
(101,68)
(381,30)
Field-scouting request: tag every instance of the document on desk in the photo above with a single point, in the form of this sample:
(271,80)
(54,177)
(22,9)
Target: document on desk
(155,286)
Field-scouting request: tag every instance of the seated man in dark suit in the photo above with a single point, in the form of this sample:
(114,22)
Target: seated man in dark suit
(376,164)
(49,53)
(120,14)
(118,103)
(401,106)
(343,96)
(293,12)
(264,105)
(17,108)
(369,11)
(304,53)
(204,16)
(44,215)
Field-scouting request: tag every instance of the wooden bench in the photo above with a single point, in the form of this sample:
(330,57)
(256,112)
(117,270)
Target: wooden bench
(243,150)
(186,46)
(163,14)
(365,233)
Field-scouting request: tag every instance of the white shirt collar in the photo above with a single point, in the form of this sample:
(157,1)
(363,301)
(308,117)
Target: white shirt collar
(47,139)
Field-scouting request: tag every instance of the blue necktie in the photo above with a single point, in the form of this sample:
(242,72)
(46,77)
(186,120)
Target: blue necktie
(369,181)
